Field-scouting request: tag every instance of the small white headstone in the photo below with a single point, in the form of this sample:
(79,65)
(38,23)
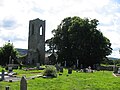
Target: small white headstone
(119,70)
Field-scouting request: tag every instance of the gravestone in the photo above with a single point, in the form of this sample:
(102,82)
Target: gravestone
(65,64)
(7,88)
(94,66)
(57,67)
(9,69)
(23,83)
(14,66)
(74,67)
(10,60)
(70,71)
(118,70)
(85,70)
(115,69)
(20,66)
(81,66)
(77,63)
(38,65)
(98,67)
(89,69)
(3,75)
(61,69)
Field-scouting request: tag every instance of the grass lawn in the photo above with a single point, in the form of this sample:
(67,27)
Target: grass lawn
(99,80)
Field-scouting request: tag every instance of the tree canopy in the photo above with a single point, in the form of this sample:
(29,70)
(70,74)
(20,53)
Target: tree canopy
(79,39)
(6,52)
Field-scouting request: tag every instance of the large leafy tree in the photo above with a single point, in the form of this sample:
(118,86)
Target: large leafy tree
(7,52)
(79,39)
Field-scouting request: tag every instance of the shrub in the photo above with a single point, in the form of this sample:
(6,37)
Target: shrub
(1,68)
(50,71)
(118,64)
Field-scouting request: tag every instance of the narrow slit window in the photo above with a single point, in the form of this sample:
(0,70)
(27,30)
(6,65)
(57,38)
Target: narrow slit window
(32,29)
(41,30)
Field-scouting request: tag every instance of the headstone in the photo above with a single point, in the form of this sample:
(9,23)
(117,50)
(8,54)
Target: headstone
(81,66)
(23,83)
(57,67)
(10,80)
(89,69)
(70,71)
(20,66)
(9,59)
(9,69)
(38,65)
(98,67)
(94,66)
(7,88)
(12,61)
(81,70)
(77,63)
(3,75)
(61,69)
(118,70)
(115,69)
(74,67)
(65,64)
(84,70)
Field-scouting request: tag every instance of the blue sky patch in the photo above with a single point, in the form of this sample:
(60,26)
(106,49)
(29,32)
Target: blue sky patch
(8,23)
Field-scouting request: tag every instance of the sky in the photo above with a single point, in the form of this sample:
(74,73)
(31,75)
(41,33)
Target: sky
(15,16)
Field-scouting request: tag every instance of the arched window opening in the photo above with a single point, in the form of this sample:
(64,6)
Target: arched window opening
(41,30)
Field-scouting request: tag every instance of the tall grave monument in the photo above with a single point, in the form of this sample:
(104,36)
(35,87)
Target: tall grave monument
(36,41)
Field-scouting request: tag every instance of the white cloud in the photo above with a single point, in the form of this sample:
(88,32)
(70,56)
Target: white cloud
(53,11)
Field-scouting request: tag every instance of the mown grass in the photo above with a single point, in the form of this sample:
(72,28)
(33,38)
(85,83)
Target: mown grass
(99,80)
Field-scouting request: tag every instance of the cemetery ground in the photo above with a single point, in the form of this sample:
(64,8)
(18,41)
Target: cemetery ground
(98,80)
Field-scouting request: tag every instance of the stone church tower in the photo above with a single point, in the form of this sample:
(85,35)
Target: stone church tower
(36,41)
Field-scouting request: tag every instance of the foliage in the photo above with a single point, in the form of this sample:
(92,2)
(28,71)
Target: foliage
(107,61)
(79,39)
(22,59)
(50,71)
(1,68)
(117,62)
(52,59)
(50,44)
(6,52)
